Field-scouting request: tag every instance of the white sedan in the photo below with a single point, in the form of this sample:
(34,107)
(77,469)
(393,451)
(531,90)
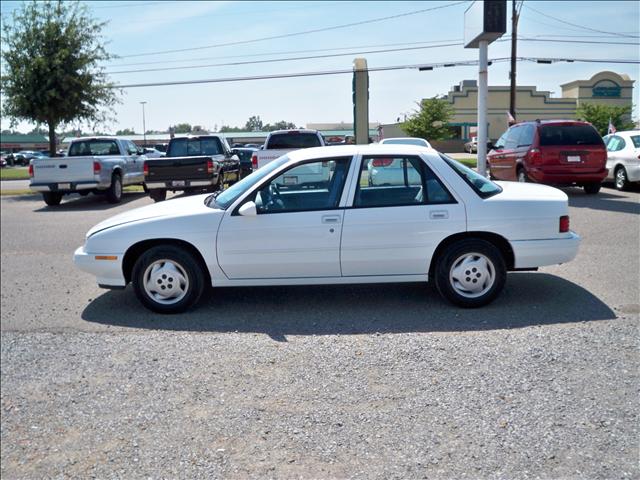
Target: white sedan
(454,228)
(623,158)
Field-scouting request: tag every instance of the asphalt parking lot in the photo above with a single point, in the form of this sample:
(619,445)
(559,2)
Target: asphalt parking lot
(382,381)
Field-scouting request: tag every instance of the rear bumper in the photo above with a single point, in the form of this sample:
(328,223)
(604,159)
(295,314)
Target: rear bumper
(55,187)
(538,253)
(175,184)
(108,272)
(569,178)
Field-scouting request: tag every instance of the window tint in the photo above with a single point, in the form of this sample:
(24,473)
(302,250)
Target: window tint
(281,141)
(551,135)
(636,141)
(484,187)
(526,135)
(131,148)
(193,147)
(513,138)
(397,181)
(313,185)
(501,141)
(93,148)
(615,144)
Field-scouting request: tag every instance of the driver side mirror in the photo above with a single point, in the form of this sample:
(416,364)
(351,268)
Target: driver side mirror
(248,210)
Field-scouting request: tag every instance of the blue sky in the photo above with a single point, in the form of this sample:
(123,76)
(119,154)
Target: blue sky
(144,27)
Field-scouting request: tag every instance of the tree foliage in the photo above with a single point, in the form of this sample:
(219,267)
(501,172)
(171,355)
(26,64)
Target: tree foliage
(430,120)
(51,71)
(182,128)
(281,125)
(599,115)
(126,131)
(254,124)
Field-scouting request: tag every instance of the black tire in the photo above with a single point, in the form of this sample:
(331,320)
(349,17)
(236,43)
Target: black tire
(158,195)
(494,275)
(592,188)
(175,265)
(52,198)
(114,192)
(521,175)
(84,193)
(620,179)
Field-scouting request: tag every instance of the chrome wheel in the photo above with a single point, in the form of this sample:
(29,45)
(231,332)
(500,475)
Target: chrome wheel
(472,275)
(166,281)
(621,178)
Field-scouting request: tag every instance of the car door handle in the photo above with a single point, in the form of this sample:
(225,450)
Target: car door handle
(62,166)
(330,219)
(439,215)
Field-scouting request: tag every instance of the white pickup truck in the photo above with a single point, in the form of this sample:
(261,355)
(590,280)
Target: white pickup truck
(281,142)
(102,165)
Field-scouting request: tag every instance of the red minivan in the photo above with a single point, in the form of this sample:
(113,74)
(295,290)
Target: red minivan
(555,152)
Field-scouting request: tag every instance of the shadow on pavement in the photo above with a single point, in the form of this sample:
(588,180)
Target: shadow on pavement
(528,299)
(608,199)
(90,202)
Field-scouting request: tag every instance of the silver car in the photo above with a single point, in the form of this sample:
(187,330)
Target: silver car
(623,158)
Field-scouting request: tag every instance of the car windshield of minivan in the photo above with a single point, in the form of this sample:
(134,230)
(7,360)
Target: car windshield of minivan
(569,135)
(484,187)
(231,194)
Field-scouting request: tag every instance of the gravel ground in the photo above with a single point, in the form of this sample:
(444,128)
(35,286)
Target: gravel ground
(377,381)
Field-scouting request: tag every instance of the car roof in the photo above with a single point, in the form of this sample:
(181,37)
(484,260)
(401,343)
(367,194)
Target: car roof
(293,130)
(351,150)
(552,122)
(402,138)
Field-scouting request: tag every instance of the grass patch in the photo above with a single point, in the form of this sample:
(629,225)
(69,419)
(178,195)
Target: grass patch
(133,188)
(20,173)
(17,192)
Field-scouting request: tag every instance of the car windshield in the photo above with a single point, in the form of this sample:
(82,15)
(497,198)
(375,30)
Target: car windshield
(96,147)
(406,141)
(193,147)
(569,135)
(231,194)
(283,141)
(484,187)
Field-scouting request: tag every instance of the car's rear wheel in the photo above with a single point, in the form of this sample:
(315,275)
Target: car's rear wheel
(158,195)
(471,273)
(620,177)
(52,198)
(592,188)
(521,175)
(168,279)
(114,192)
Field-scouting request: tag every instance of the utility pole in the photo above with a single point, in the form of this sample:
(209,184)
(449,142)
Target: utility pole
(144,127)
(512,74)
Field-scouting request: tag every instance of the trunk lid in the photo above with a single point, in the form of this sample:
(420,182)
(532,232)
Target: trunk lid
(62,169)
(177,168)
(571,147)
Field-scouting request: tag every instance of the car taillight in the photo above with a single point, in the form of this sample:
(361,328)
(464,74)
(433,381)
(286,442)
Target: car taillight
(564,224)
(210,167)
(534,156)
(31,170)
(382,162)
(254,161)
(96,168)
(145,169)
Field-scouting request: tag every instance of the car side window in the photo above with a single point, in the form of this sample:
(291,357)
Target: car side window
(526,136)
(398,181)
(616,144)
(513,138)
(315,185)
(131,148)
(501,141)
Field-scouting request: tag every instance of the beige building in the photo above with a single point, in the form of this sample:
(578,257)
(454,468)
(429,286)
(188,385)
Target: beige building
(605,87)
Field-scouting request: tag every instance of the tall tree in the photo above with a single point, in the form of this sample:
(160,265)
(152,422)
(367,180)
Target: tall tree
(182,128)
(281,125)
(126,131)
(599,116)
(254,124)
(430,120)
(52,74)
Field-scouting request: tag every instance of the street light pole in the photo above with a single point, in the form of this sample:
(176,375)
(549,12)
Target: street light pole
(144,127)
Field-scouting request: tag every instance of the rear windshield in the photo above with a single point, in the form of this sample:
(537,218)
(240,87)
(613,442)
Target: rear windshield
(636,141)
(194,147)
(85,148)
(281,141)
(569,135)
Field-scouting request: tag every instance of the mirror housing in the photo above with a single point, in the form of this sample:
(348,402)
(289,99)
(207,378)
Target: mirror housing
(248,210)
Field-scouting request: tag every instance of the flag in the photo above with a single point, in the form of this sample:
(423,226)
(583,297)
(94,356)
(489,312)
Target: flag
(611,129)
(510,119)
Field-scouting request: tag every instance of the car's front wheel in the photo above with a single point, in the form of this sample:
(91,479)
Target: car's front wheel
(168,279)
(620,176)
(470,273)
(52,198)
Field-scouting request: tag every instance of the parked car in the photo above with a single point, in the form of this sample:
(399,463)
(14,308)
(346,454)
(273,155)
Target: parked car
(280,142)
(555,152)
(152,153)
(623,158)
(454,228)
(472,145)
(245,154)
(192,164)
(102,165)
(420,142)
(24,157)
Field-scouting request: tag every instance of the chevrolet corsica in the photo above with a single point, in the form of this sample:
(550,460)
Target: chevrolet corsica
(439,221)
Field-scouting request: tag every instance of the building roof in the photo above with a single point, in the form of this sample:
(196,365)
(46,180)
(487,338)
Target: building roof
(23,138)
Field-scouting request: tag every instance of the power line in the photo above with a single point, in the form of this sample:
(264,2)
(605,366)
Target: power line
(577,25)
(372,69)
(311,57)
(289,35)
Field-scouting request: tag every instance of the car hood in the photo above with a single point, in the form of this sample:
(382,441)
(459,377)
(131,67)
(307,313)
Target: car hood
(170,208)
(529,191)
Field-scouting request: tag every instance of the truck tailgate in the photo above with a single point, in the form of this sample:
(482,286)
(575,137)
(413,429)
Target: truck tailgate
(64,169)
(177,168)
(267,156)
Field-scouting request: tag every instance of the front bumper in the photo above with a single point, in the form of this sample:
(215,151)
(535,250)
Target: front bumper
(538,253)
(107,267)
